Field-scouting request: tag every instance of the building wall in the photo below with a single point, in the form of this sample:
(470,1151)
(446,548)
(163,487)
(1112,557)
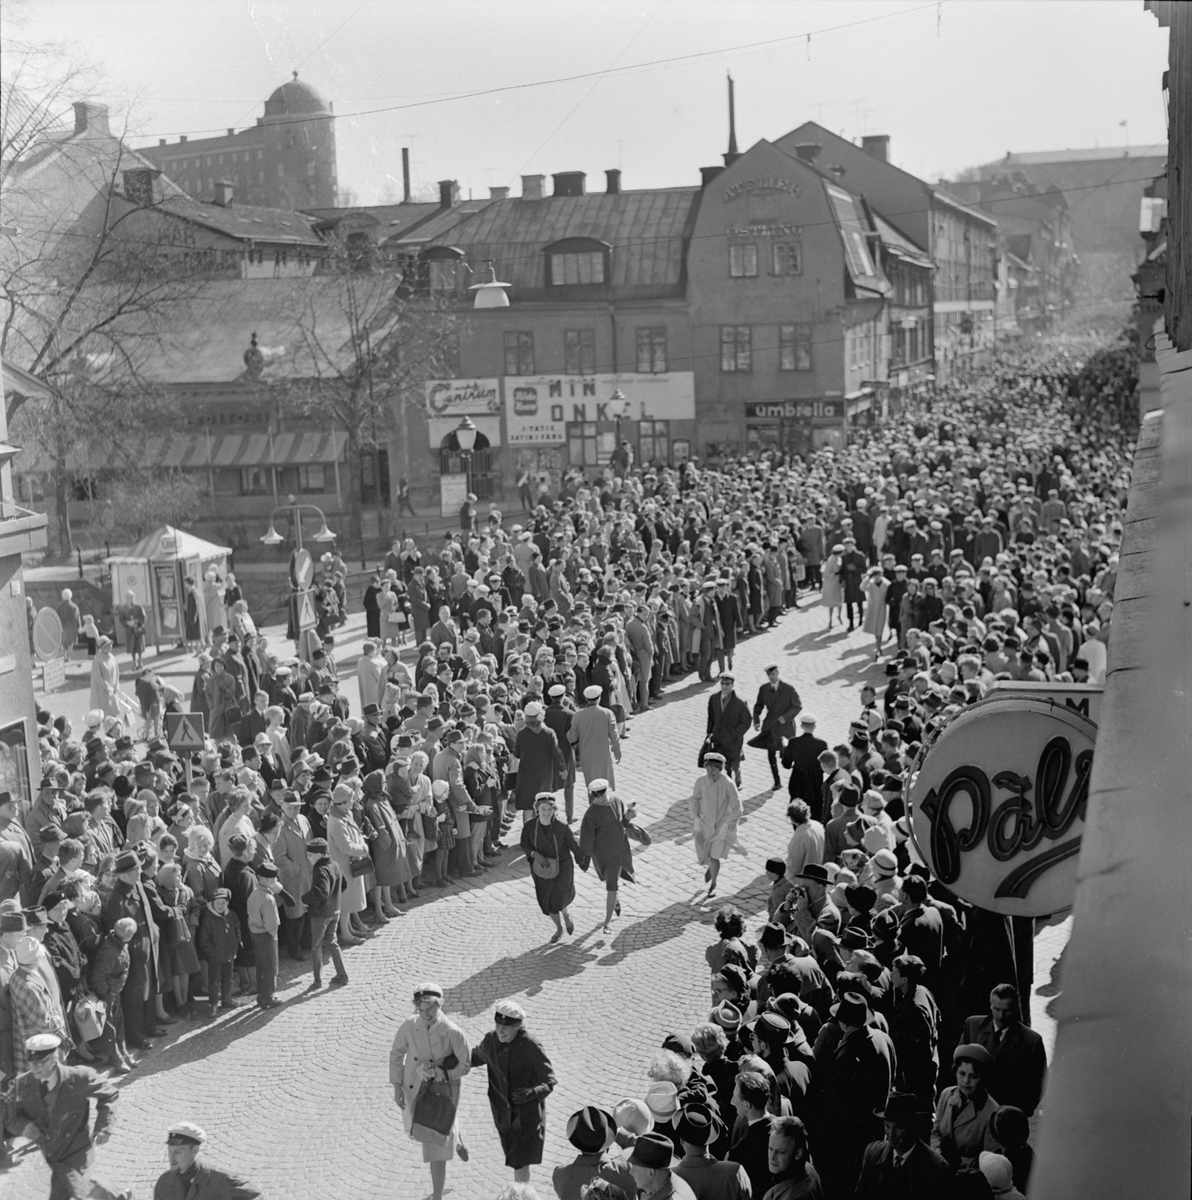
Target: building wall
(765,199)
(964,305)
(290,165)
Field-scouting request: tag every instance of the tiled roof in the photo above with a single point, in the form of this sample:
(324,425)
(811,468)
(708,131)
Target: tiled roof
(436,223)
(647,230)
(246,221)
(390,218)
(1041,158)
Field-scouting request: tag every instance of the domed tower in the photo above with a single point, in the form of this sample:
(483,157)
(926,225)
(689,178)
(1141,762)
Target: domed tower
(299,131)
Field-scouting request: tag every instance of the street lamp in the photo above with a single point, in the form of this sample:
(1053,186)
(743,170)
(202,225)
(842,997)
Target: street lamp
(491,292)
(619,406)
(273,538)
(465,437)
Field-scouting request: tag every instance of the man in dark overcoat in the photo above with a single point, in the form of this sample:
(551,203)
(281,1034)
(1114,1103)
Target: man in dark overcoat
(781,704)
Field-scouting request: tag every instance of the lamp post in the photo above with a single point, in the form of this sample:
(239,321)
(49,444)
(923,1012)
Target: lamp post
(618,405)
(465,436)
(301,567)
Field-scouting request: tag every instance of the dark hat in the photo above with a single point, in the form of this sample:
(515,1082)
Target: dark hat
(855,938)
(591,1130)
(850,1009)
(736,979)
(901,1107)
(772,1027)
(679,1043)
(860,897)
(372,710)
(266,870)
(972,1053)
(653,1150)
(1010,1126)
(35,916)
(13,922)
(816,872)
(49,833)
(321,776)
(128,861)
(773,936)
(698,1124)
(775,866)
(317,846)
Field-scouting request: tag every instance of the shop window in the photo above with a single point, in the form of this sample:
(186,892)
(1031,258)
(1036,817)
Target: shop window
(742,260)
(579,351)
(794,347)
(653,439)
(519,352)
(312,477)
(736,348)
(255,481)
(651,351)
(586,447)
(788,258)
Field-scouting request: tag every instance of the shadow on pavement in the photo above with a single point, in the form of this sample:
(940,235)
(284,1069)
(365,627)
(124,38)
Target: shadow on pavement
(669,923)
(525,973)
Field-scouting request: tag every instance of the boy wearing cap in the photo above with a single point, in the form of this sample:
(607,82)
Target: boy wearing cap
(263,923)
(218,943)
(51,1104)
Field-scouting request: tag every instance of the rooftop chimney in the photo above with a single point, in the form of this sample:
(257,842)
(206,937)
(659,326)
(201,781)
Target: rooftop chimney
(569,183)
(182,139)
(161,141)
(498,193)
(139,185)
(405,174)
(231,133)
(448,193)
(223,193)
(91,118)
(613,181)
(808,151)
(732,155)
(877,144)
(532,186)
(707,174)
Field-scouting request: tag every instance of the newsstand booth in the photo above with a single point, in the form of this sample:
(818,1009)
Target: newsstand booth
(153,570)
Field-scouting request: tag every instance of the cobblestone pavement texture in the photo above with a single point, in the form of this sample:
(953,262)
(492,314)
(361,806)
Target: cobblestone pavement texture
(298,1098)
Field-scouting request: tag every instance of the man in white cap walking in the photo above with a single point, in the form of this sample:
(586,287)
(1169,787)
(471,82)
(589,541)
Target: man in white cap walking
(50,1103)
(190,1179)
(593,733)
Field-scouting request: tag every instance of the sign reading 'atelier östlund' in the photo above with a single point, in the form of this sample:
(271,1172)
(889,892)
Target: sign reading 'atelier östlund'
(998,804)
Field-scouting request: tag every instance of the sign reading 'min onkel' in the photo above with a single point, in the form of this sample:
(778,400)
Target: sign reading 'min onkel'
(998,804)
(538,408)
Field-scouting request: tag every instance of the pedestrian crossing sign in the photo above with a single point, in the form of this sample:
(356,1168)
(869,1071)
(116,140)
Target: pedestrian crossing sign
(184,731)
(307,618)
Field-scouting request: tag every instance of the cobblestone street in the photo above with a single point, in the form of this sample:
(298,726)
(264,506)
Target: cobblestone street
(298,1099)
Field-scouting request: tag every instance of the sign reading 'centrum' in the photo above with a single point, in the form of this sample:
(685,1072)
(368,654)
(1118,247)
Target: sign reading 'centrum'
(998,804)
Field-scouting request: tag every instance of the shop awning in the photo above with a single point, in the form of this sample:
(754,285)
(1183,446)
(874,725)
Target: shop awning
(245,449)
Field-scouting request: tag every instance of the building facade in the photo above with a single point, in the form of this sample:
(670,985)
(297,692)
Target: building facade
(959,239)
(286,160)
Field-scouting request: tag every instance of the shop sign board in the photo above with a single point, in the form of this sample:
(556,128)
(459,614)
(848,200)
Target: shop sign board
(795,410)
(998,804)
(538,408)
(1082,698)
(462,397)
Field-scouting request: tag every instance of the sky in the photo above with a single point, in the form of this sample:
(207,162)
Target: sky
(954,84)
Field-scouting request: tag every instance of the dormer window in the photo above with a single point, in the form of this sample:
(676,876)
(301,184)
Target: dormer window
(445,269)
(578,262)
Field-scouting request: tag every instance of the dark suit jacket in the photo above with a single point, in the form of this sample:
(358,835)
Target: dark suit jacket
(751,1150)
(64,1128)
(781,706)
(205,1184)
(924,1176)
(326,883)
(1019,1062)
(801,754)
(728,725)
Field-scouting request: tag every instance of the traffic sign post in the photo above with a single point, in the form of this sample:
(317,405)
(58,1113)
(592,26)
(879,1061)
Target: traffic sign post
(305,616)
(302,570)
(185,733)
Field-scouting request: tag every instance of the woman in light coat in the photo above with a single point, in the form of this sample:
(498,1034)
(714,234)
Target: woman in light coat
(429,1047)
(345,841)
(832,593)
(715,809)
(875,588)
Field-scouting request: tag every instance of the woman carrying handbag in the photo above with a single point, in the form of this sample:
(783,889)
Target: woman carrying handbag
(430,1055)
(552,851)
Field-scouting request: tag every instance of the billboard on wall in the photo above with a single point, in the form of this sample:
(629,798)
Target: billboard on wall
(539,407)
(462,397)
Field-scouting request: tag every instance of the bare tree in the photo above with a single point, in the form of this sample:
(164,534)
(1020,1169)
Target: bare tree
(369,348)
(86,282)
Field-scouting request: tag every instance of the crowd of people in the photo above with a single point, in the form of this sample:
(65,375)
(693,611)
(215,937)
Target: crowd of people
(976,539)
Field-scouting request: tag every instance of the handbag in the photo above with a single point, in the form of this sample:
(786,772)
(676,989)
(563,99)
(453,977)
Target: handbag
(635,831)
(542,866)
(90,1016)
(433,1116)
(363,865)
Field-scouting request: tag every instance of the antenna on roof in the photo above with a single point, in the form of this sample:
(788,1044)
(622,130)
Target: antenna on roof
(733,154)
